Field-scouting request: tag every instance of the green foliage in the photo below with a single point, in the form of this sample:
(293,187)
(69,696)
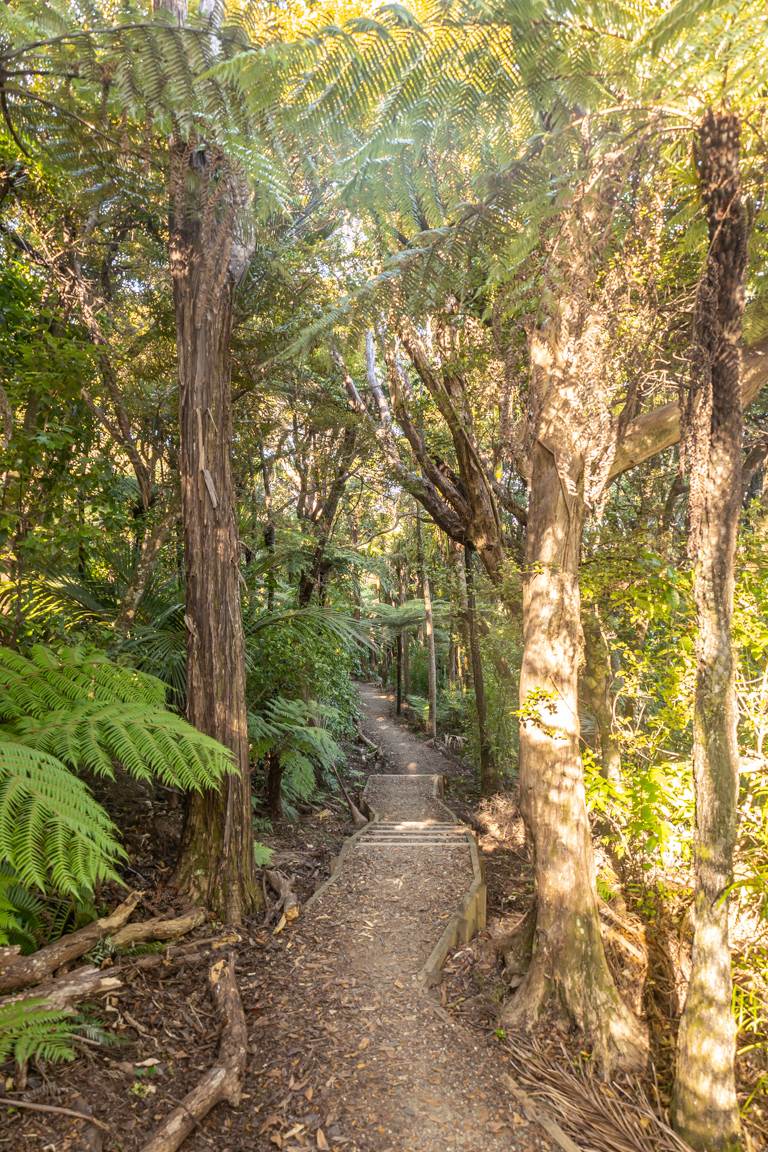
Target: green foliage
(297,658)
(29,1030)
(73,711)
(292,731)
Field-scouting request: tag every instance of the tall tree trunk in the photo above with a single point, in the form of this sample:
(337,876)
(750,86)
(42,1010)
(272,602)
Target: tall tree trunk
(429,631)
(269,528)
(705,1109)
(568,966)
(216,859)
(489,776)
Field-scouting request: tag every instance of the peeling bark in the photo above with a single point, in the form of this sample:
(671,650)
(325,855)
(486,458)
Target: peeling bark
(216,858)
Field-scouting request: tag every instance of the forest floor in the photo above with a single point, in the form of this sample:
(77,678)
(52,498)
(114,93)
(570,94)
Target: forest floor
(347,1050)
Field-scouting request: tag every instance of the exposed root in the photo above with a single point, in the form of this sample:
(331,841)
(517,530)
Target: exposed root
(222,1082)
(592,1005)
(288,903)
(516,946)
(358,819)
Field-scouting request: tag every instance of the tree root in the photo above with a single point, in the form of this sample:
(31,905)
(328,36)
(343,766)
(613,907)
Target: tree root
(592,1005)
(368,742)
(516,946)
(288,903)
(17,972)
(358,819)
(222,1082)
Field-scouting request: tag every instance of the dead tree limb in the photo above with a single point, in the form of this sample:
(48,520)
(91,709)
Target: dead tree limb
(67,990)
(222,1082)
(17,972)
(159,929)
(54,1109)
(368,742)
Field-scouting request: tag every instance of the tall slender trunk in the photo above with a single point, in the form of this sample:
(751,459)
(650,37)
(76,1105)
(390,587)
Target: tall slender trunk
(705,1109)
(489,776)
(269,528)
(399,676)
(216,859)
(429,632)
(568,965)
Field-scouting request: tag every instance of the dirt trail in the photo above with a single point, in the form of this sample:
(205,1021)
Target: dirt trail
(371,1062)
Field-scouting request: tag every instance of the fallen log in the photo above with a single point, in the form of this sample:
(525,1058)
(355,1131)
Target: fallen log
(17,972)
(222,1082)
(158,929)
(62,993)
(367,741)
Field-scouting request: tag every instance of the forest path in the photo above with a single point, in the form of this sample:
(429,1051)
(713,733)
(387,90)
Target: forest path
(366,1058)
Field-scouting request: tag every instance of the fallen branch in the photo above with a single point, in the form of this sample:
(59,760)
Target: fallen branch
(62,993)
(178,954)
(368,742)
(222,1082)
(17,972)
(289,904)
(159,929)
(358,819)
(7,1102)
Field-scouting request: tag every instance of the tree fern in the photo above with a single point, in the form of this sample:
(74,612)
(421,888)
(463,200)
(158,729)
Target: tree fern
(290,730)
(52,831)
(66,712)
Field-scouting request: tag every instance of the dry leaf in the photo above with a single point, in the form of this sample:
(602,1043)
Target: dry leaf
(280,925)
(322,1143)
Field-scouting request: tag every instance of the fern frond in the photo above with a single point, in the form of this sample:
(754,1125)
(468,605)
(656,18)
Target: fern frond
(52,831)
(29,1030)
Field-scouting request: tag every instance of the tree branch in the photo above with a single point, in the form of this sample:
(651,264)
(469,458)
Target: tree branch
(659,429)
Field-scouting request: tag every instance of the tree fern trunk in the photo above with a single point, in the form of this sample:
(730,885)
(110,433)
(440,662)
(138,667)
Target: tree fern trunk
(705,1106)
